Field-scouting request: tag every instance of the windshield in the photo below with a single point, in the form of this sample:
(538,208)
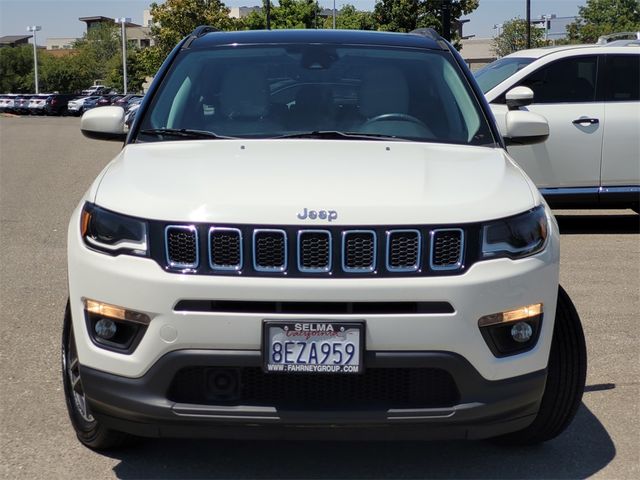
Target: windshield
(498,71)
(269,91)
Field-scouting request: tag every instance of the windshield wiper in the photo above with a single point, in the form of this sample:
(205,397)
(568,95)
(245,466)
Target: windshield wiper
(335,134)
(183,132)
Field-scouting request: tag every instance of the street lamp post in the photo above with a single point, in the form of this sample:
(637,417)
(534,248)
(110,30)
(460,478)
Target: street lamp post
(334,14)
(123,23)
(33,29)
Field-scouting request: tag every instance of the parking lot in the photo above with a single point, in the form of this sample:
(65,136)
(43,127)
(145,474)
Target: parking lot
(46,165)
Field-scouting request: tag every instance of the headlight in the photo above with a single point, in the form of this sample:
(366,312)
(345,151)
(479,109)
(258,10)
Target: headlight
(516,237)
(113,233)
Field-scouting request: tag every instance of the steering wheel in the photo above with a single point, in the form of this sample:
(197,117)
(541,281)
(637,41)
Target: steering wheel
(396,116)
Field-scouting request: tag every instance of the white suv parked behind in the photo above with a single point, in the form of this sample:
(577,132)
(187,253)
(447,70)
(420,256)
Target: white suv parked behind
(590,95)
(317,234)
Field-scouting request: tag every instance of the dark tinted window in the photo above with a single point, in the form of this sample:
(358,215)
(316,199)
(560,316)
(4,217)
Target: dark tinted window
(571,80)
(623,73)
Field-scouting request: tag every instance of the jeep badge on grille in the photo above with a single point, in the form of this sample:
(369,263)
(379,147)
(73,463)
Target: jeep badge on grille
(329,215)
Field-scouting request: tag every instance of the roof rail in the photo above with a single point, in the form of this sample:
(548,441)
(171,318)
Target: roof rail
(197,33)
(604,39)
(203,30)
(431,34)
(427,32)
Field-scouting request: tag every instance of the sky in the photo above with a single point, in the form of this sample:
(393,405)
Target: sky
(59,18)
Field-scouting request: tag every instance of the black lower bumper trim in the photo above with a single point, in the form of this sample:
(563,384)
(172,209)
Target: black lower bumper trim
(140,405)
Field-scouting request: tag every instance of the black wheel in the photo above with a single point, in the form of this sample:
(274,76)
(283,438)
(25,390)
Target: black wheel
(566,377)
(87,428)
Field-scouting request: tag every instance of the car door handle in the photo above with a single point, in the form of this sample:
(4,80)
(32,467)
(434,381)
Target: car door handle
(588,121)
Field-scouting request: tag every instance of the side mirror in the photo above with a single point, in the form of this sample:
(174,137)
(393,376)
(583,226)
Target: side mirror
(518,97)
(525,128)
(104,123)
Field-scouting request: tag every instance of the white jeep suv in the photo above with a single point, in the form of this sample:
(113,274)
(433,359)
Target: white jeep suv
(590,95)
(316,234)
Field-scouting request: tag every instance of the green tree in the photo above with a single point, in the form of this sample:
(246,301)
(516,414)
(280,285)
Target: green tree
(351,19)
(174,19)
(16,69)
(66,74)
(602,17)
(96,49)
(286,14)
(514,37)
(407,15)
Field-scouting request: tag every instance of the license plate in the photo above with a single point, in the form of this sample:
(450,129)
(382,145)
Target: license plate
(313,347)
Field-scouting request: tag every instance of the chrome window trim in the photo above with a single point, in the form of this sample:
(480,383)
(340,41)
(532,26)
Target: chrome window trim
(190,228)
(299,250)
(257,267)
(413,268)
(375,252)
(228,268)
(455,266)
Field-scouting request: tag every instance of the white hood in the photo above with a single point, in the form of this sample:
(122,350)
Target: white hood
(272,181)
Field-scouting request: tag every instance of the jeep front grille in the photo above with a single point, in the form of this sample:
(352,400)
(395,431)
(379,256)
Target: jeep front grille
(225,248)
(447,246)
(403,250)
(331,251)
(314,251)
(269,250)
(182,246)
(359,251)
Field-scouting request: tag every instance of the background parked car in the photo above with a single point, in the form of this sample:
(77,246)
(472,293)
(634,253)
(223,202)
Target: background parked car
(76,106)
(590,95)
(37,104)
(106,100)
(124,101)
(21,104)
(56,104)
(7,103)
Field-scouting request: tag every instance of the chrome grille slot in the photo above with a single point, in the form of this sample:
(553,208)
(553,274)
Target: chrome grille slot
(269,250)
(403,250)
(447,247)
(181,246)
(225,248)
(314,251)
(359,251)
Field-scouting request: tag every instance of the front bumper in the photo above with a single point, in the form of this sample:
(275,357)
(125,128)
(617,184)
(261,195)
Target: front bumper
(141,406)
(141,284)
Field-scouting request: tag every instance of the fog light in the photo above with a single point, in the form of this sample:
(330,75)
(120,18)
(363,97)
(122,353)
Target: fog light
(105,328)
(512,331)
(521,332)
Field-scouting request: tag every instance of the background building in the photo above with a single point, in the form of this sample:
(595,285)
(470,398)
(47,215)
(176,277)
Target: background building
(14,40)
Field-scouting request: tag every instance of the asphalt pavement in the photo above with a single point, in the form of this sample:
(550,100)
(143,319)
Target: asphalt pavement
(46,165)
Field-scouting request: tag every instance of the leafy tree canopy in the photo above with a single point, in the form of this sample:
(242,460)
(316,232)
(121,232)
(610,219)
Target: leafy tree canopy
(602,17)
(407,15)
(16,69)
(514,37)
(349,18)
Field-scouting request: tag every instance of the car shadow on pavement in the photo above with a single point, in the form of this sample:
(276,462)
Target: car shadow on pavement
(584,449)
(594,224)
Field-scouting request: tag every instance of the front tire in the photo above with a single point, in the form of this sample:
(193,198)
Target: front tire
(566,375)
(87,428)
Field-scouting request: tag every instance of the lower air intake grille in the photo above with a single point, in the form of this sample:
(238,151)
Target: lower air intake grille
(270,250)
(382,388)
(359,251)
(446,249)
(182,248)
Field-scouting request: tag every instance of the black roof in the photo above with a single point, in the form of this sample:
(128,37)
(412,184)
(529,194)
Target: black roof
(344,37)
